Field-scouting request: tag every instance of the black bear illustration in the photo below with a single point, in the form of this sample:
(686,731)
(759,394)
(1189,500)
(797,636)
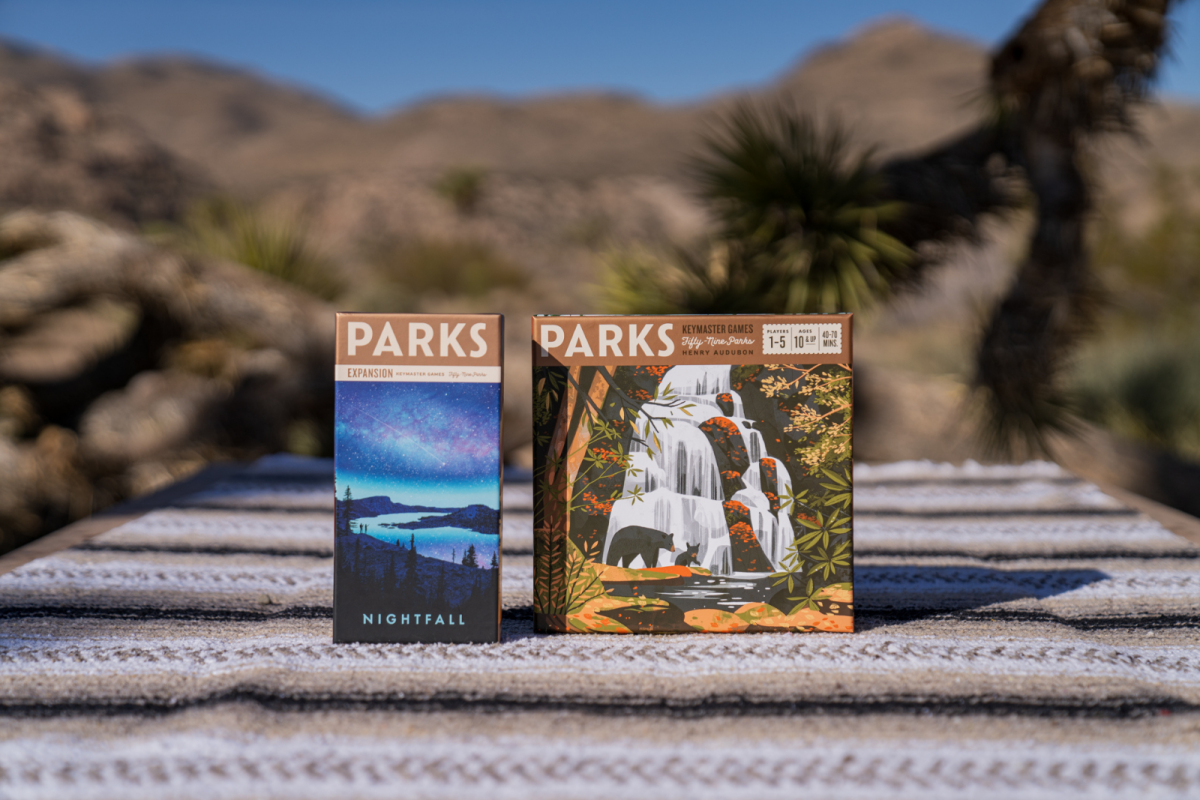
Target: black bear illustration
(688,557)
(635,540)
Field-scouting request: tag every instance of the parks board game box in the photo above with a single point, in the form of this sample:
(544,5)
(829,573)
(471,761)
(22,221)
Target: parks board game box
(693,473)
(417,478)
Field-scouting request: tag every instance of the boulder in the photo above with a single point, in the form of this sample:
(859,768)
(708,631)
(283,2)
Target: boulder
(155,413)
(124,365)
(64,343)
(57,150)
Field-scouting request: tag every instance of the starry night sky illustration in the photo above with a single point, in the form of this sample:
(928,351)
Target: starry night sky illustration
(433,444)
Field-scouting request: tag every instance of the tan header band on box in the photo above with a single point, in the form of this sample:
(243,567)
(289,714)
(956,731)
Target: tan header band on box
(715,339)
(435,340)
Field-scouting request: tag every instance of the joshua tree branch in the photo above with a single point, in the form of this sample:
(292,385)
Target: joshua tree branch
(948,191)
(1074,69)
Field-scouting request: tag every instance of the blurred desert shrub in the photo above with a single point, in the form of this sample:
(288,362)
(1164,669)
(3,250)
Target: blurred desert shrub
(641,280)
(1146,386)
(463,187)
(801,226)
(1140,375)
(592,232)
(231,230)
(1155,273)
(449,267)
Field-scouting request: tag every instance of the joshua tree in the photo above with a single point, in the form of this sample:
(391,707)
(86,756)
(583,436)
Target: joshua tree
(1075,69)
(805,225)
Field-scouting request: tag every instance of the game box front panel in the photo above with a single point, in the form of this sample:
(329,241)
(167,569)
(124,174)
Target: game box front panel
(693,474)
(417,478)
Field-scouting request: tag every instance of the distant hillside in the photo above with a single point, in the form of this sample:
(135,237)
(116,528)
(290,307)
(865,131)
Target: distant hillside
(31,65)
(375,506)
(59,151)
(896,84)
(899,81)
(250,132)
(246,130)
(479,518)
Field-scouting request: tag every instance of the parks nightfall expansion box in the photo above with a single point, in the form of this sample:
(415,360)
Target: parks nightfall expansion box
(692,473)
(417,478)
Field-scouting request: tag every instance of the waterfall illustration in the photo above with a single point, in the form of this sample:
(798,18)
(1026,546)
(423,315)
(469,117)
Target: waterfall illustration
(680,487)
(774,530)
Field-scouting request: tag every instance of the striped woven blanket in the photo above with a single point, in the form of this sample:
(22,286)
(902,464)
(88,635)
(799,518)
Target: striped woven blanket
(1021,635)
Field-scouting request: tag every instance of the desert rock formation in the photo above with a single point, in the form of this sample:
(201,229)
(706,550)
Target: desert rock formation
(59,151)
(124,366)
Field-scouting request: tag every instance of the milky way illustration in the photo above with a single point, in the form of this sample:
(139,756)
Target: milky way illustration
(417,437)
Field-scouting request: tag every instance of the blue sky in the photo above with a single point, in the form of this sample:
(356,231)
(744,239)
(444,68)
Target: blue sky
(375,55)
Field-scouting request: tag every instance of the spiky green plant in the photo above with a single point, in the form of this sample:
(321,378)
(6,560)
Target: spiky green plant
(800,216)
(643,281)
(463,187)
(800,213)
(235,231)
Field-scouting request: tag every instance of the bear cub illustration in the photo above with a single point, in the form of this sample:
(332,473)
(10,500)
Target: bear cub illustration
(636,540)
(688,557)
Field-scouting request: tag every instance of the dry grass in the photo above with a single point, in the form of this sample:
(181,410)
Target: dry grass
(465,268)
(234,231)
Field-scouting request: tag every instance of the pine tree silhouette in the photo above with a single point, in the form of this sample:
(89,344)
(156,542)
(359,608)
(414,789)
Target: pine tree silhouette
(393,576)
(469,559)
(493,578)
(344,520)
(404,594)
